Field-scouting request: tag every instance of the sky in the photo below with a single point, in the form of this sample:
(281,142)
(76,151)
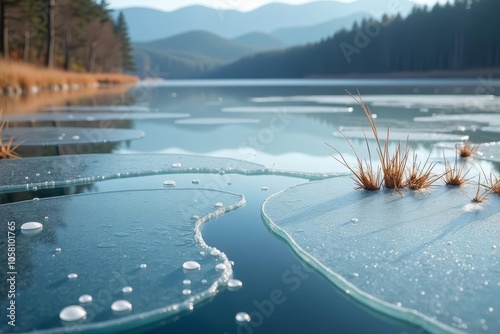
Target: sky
(242,5)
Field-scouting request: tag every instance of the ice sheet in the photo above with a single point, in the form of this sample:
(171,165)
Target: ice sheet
(468,102)
(122,246)
(490,151)
(49,136)
(58,171)
(288,109)
(427,257)
(90,117)
(479,119)
(399,134)
(217,121)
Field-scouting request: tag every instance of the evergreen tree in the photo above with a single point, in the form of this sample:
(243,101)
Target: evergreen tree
(121,30)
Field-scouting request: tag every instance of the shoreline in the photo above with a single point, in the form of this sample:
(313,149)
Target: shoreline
(18,78)
(493,73)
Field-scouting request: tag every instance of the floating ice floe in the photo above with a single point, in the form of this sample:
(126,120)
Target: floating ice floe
(457,102)
(216,121)
(398,134)
(45,289)
(482,120)
(57,171)
(49,136)
(92,117)
(288,109)
(421,257)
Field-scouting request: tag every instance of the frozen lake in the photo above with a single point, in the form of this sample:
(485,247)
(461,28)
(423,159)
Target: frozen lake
(244,141)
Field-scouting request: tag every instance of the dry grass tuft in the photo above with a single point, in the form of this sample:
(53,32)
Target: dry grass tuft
(7,149)
(480,197)
(493,184)
(421,176)
(455,176)
(466,149)
(364,174)
(393,166)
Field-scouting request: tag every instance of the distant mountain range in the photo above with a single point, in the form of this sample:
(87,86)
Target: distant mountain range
(149,24)
(193,40)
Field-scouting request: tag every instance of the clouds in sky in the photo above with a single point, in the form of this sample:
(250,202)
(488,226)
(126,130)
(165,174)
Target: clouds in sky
(242,5)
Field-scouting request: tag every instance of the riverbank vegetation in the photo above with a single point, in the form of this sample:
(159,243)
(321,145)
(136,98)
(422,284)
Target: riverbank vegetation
(69,38)
(19,77)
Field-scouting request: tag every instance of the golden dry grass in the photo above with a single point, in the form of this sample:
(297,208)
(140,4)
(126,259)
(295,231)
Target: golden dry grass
(466,149)
(7,149)
(455,175)
(15,76)
(420,175)
(493,184)
(393,166)
(393,172)
(480,197)
(364,174)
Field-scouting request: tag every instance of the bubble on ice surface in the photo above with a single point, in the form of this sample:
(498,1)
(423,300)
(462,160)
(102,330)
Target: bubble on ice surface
(85,299)
(204,281)
(354,220)
(215,252)
(234,284)
(143,266)
(220,267)
(73,313)
(191,265)
(186,292)
(121,306)
(72,276)
(264,188)
(31,226)
(196,181)
(176,165)
(127,289)
(242,317)
(219,205)
(58,250)
(169,183)
(186,282)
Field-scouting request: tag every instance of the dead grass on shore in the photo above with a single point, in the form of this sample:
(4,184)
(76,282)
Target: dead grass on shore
(16,76)
(7,148)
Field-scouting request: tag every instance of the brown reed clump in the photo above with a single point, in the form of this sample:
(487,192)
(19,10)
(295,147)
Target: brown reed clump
(466,149)
(393,166)
(364,174)
(455,175)
(493,184)
(421,176)
(7,149)
(480,197)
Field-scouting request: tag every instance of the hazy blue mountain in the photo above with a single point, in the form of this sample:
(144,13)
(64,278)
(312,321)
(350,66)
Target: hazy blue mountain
(201,43)
(304,35)
(149,24)
(260,40)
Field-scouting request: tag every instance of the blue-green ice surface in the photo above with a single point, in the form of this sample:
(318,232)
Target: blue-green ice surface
(112,241)
(58,171)
(50,136)
(428,257)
